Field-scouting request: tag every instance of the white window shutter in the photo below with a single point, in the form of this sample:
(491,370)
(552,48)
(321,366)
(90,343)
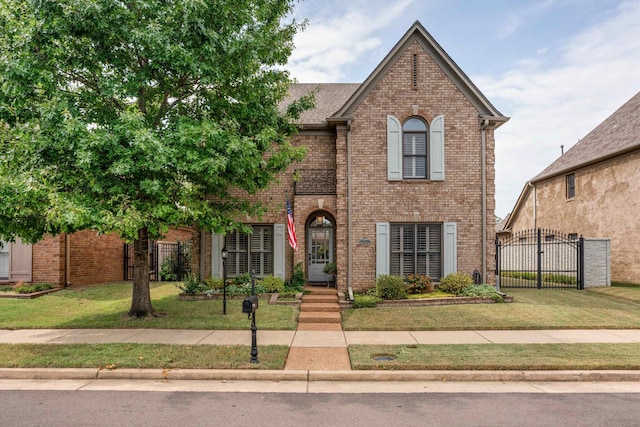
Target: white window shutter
(436,149)
(383,247)
(394,149)
(279,239)
(450,248)
(217,242)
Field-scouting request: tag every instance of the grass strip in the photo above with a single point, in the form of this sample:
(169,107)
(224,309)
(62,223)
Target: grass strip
(496,356)
(106,306)
(113,356)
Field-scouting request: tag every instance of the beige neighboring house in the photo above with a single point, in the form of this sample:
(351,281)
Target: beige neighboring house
(593,190)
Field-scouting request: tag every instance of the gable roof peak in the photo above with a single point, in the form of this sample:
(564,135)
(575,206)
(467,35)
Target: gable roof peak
(418,33)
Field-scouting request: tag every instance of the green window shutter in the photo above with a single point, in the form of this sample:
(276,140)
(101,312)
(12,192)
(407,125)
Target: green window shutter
(394,149)
(217,241)
(450,248)
(279,239)
(436,149)
(383,234)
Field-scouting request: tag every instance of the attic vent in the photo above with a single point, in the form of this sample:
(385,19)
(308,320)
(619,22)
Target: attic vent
(415,71)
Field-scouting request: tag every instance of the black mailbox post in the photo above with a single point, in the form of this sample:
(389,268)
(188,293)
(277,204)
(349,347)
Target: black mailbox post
(249,306)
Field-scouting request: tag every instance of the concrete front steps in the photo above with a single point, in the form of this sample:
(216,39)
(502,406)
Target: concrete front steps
(319,311)
(320,306)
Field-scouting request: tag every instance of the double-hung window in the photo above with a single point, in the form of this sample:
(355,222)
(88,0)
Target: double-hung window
(416,249)
(250,252)
(414,149)
(571,186)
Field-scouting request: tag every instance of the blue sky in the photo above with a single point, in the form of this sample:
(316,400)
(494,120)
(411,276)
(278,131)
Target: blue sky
(556,67)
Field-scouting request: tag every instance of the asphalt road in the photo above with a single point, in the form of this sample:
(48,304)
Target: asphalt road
(144,408)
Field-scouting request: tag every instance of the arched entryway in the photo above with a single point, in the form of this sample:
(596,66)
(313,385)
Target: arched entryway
(320,230)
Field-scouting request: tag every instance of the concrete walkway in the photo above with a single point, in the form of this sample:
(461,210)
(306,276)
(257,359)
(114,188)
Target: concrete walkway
(315,338)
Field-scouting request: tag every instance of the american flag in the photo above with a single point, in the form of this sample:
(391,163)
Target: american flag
(291,228)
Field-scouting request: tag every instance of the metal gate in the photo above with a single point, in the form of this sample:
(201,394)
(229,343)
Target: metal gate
(542,259)
(168,261)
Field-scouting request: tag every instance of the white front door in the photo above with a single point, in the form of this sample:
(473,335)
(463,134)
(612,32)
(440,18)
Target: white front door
(319,250)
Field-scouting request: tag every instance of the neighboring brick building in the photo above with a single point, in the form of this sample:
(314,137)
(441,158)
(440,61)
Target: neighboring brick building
(81,258)
(593,190)
(398,179)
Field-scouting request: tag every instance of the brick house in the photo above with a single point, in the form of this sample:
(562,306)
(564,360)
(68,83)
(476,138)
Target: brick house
(398,179)
(77,259)
(593,190)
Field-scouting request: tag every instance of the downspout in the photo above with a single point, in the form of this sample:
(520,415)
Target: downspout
(202,253)
(483,138)
(535,205)
(67,260)
(349,236)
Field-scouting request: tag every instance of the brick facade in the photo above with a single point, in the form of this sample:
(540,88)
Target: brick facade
(374,199)
(93,258)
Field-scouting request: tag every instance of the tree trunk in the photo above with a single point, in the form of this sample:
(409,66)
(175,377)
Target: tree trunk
(141,298)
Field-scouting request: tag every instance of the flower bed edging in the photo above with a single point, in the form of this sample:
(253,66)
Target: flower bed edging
(432,302)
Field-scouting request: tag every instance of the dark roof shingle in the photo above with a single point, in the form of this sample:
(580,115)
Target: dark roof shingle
(329,99)
(619,133)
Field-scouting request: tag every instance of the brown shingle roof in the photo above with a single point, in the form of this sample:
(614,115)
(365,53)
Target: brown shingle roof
(619,133)
(329,99)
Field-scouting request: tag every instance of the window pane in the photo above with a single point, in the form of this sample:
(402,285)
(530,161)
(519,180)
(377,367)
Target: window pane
(407,264)
(434,270)
(421,167)
(407,239)
(407,145)
(395,263)
(420,144)
(414,124)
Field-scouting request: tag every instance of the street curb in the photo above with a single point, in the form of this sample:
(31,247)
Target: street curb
(311,376)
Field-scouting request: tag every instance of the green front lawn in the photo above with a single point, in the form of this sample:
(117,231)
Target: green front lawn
(612,307)
(105,306)
(497,356)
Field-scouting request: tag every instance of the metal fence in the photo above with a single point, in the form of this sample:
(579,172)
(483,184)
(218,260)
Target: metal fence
(539,258)
(168,261)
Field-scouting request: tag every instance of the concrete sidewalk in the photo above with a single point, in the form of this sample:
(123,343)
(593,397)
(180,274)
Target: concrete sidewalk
(87,377)
(331,339)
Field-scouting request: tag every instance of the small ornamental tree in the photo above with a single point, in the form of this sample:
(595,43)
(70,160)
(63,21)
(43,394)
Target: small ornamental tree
(137,115)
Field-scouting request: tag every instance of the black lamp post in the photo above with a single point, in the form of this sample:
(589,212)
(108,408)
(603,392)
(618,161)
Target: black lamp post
(224,254)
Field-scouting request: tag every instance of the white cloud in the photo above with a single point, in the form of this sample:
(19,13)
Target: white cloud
(330,43)
(596,72)
(519,17)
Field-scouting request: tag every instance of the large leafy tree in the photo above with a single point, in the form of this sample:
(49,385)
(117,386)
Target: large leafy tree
(131,116)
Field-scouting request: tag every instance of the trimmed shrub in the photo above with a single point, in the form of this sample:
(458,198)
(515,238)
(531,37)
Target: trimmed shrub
(483,291)
(390,287)
(214,283)
(455,283)
(272,284)
(244,290)
(28,288)
(364,301)
(297,280)
(192,285)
